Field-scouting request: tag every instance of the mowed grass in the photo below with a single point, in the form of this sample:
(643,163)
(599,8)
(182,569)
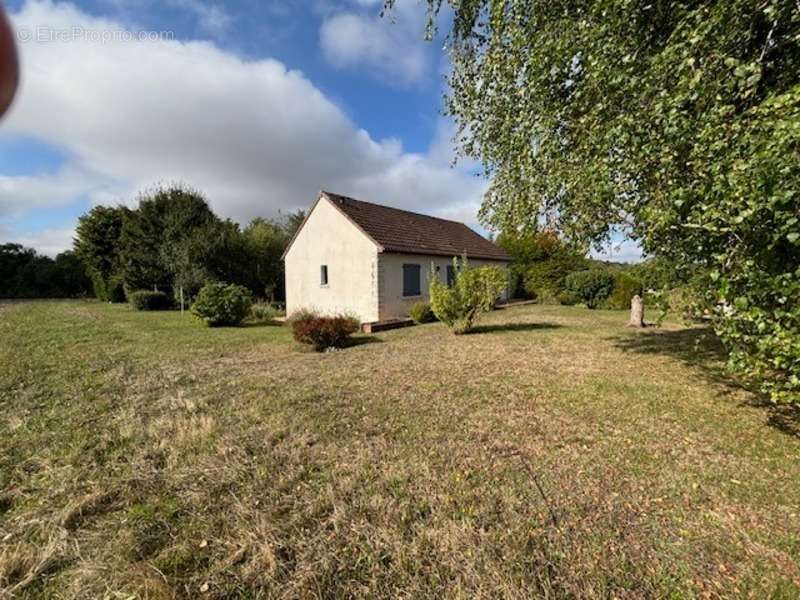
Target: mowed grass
(554,453)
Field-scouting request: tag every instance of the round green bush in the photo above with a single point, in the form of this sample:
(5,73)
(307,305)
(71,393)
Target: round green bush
(625,288)
(590,287)
(222,304)
(149,300)
(421,312)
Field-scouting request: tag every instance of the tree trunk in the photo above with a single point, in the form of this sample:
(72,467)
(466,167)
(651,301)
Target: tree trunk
(637,312)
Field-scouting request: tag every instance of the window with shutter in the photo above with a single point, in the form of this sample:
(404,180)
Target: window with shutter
(451,275)
(411,280)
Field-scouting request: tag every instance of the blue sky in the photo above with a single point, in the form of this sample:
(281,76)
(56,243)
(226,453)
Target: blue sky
(258,103)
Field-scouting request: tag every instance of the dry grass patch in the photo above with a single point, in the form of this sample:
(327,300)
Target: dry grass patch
(551,453)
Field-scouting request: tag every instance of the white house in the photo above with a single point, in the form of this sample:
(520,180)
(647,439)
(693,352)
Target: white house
(374,261)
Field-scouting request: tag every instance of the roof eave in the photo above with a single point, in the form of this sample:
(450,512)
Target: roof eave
(428,252)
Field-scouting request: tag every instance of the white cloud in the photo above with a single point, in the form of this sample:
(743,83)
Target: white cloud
(210,17)
(255,137)
(391,47)
(19,194)
(46,241)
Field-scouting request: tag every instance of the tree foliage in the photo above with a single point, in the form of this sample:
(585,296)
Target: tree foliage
(173,241)
(679,121)
(624,289)
(474,291)
(153,234)
(26,274)
(266,240)
(541,260)
(591,287)
(97,245)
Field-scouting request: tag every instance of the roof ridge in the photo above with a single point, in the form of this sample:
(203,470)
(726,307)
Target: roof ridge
(412,212)
(397,230)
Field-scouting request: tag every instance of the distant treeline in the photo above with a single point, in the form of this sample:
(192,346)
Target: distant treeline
(26,274)
(173,242)
(544,267)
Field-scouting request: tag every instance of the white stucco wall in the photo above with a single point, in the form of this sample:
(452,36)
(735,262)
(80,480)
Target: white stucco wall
(329,238)
(390,266)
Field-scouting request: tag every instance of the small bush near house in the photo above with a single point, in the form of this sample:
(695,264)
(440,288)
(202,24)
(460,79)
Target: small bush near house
(149,300)
(421,312)
(222,304)
(625,288)
(264,312)
(590,287)
(322,332)
(474,291)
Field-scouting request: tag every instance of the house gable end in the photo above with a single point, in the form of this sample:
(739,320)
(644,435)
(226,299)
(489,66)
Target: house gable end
(323,197)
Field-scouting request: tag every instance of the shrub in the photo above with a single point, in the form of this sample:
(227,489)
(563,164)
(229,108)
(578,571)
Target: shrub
(421,312)
(590,287)
(566,298)
(474,291)
(108,291)
(546,278)
(516,282)
(548,297)
(149,300)
(221,304)
(322,332)
(264,312)
(625,288)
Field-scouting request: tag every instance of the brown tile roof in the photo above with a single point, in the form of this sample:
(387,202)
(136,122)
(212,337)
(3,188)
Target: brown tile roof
(402,231)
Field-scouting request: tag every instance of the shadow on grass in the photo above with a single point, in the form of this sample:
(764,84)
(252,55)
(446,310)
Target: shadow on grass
(699,347)
(783,417)
(500,327)
(262,324)
(362,340)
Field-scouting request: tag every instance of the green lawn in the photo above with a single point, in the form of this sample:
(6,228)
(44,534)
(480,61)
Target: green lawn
(553,453)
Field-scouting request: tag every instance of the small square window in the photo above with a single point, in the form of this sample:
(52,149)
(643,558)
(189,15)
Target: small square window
(323,275)
(411,280)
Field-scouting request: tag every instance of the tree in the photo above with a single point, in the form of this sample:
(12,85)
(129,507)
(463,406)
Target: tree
(266,241)
(14,260)
(214,252)
(97,244)
(590,287)
(474,291)
(152,235)
(26,274)
(540,261)
(678,121)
